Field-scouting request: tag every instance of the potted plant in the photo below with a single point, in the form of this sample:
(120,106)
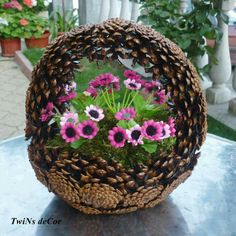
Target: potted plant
(188,30)
(10,32)
(36,35)
(62,22)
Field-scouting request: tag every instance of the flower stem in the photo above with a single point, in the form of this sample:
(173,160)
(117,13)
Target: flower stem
(128,99)
(113,99)
(124,98)
(107,102)
(133,98)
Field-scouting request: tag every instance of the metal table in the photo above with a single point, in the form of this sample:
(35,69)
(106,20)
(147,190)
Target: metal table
(204,205)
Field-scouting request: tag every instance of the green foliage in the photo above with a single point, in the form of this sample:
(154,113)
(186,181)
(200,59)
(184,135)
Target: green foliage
(14,29)
(218,128)
(34,54)
(186,30)
(60,22)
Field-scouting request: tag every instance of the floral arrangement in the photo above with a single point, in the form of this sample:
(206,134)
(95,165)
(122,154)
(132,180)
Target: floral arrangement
(127,119)
(19,19)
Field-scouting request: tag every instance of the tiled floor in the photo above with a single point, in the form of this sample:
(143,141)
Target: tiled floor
(12,99)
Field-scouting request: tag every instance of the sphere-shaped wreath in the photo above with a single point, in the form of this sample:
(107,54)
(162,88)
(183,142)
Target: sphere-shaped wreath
(92,184)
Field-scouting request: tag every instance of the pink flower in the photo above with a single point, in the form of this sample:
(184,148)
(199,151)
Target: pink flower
(126,114)
(69,118)
(152,130)
(90,91)
(132,84)
(129,73)
(135,135)
(94,113)
(67,97)
(117,137)
(159,97)
(165,130)
(14,4)
(106,80)
(47,112)
(171,123)
(88,129)
(70,87)
(24,22)
(152,86)
(28,3)
(69,132)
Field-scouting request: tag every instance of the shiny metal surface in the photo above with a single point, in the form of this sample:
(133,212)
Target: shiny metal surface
(204,205)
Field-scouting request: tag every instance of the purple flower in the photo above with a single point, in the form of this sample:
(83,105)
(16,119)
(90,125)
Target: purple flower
(152,130)
(106,80)
(47,112)
(94,113)
(126,114)
(171,123)
(70,87)
(67,97)
(135,135)
(117,137)
(159,97)
(90,91)
(132,84)
(165,130)
(69,132)
(88,129)
(129,73)
(152,86)
(69,118)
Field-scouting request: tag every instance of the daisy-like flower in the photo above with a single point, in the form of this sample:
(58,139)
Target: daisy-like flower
(69,132)
(152,86)
(70,87)
(135,135)
(152,130)
(88,129)
(165,130)
(126,114)
(67,97)
(106,80)
(94,113)
(129,73)
(171,123)
(90,91)
(117,137)
(47,112)
(69,118)
(132,84)
(159,97)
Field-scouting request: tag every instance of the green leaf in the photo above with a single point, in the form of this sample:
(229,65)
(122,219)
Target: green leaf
(131,123)
(123,124)
(78,143)
(150,147)
(139,103)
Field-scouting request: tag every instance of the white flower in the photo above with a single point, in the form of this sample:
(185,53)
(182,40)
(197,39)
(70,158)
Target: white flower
(94,113)
(34,3)
(3,21)
(131,84)
(47,2)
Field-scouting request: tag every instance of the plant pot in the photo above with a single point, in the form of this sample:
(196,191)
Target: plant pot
(41,42)
(10,46)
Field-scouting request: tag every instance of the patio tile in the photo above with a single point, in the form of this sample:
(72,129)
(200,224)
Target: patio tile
(13,92)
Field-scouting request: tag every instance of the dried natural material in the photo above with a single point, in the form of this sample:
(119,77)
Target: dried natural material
(94,185)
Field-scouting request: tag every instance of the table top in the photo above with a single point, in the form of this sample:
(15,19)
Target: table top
(204,205)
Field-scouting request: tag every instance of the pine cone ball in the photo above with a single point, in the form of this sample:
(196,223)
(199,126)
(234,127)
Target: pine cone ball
(94,185)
